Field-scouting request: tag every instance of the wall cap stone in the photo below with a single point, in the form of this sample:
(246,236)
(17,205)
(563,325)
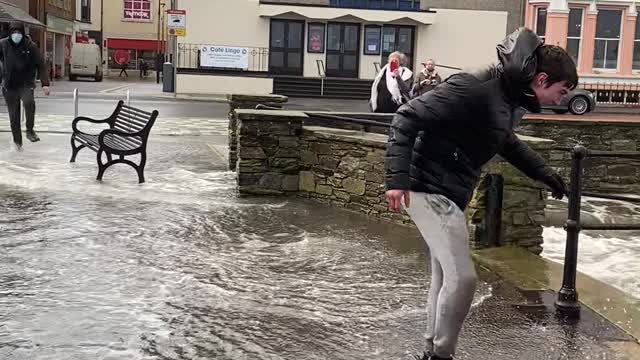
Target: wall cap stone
(270,115)
(348,136)
(257,98)
(576,122)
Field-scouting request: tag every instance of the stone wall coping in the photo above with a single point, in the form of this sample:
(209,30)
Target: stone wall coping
(348,136)
(270,115)
(380,140)
(536,142)
(585,122)
(257,98)
(360,114)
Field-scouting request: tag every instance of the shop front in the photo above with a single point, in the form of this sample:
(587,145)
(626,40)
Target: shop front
(139,50)
(347,46)
(58,40)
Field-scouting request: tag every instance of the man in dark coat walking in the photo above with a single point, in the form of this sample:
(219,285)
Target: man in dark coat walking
(20,59)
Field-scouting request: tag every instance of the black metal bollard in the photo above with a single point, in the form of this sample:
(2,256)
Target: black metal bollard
(567,302)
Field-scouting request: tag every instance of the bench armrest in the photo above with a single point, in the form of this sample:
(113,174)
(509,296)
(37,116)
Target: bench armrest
(74,124)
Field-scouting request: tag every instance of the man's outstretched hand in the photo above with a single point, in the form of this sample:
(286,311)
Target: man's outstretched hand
(394,198)
(557,185)
(46,90)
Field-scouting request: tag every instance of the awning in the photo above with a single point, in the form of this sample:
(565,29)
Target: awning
(331,13)
(10,12)
(134,44)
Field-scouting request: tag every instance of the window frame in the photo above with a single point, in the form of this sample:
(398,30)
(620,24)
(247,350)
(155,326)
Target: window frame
(606,40)
(579,38)
(546,15)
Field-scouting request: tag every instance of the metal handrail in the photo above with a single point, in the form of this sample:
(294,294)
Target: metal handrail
(348,119)
(376,66)
(567,302)
(322,73)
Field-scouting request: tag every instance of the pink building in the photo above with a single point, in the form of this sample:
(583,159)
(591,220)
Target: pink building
(603,36)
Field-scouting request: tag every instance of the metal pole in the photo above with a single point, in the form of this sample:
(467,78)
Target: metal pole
(567,302)
(128,97)
(75,103)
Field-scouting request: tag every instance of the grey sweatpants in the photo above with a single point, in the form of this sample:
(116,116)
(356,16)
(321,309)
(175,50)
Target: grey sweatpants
(453,277)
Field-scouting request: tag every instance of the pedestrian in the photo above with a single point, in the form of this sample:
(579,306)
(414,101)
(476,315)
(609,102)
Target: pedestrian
(20,59)
(143,69)
(437,145)
(123,69)
(392,85)
(427,79)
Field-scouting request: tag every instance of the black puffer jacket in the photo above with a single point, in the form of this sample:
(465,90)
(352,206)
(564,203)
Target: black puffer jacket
(20,62)
(439,141)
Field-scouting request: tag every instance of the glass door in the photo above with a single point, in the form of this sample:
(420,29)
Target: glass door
(343,45)
(286,47)
(398,38)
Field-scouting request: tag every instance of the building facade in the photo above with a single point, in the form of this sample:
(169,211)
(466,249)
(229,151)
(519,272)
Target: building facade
(59,18)
(514,8)
(134,26)
(602,36)
(88,22)
(349,39)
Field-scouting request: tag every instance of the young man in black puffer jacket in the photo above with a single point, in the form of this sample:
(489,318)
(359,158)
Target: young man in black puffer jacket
(20,59)
(437,145)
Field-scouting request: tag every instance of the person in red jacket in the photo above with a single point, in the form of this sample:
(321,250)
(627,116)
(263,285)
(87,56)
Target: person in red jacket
(20,59)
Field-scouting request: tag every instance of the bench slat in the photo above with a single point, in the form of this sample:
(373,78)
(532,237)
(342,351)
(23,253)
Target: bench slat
(131,108)
(122,141)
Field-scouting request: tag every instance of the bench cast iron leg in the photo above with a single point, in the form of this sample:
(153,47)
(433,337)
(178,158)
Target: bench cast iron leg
(140,168)
(101,167)
(74,149)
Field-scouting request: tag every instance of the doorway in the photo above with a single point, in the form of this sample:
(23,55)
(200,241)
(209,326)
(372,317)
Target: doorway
(343,44)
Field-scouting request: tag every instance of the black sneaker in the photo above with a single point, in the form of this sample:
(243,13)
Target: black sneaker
(32,136)
(425,356)
(435,357)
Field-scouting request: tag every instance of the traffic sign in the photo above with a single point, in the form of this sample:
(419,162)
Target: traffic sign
(177,22)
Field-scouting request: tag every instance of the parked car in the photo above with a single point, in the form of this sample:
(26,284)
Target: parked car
(578,102)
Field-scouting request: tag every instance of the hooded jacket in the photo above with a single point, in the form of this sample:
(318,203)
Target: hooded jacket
(20,61)
(439,141)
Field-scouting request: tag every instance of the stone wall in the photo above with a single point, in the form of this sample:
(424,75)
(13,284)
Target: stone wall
(245,102)
(345,168)
(268,151)
(615,175)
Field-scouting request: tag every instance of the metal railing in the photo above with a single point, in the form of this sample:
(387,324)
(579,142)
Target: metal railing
(76,101)
(367,122)
(189,58)
(567,302)
(322,73)
(614,93)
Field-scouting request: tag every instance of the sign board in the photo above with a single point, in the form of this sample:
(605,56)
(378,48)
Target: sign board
(224,57)
(137,10)
(121,57)
(177,22)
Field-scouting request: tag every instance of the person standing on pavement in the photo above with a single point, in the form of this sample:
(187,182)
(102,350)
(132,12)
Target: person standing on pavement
(437,145)
(427,79)
(392,86)
(20,59)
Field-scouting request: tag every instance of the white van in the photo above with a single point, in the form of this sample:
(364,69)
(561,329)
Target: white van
(86,61)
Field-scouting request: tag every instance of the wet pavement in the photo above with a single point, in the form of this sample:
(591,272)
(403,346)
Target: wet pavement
(181,268)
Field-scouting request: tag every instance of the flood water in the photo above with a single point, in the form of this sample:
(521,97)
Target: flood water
(181,268)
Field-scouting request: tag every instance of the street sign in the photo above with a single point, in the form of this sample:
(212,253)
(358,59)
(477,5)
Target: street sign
(121,57)
(177,22)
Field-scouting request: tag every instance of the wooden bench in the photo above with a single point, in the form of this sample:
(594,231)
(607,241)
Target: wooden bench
(127,135)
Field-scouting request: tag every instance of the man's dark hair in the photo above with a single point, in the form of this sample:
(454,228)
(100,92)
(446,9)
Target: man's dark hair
(557,64)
